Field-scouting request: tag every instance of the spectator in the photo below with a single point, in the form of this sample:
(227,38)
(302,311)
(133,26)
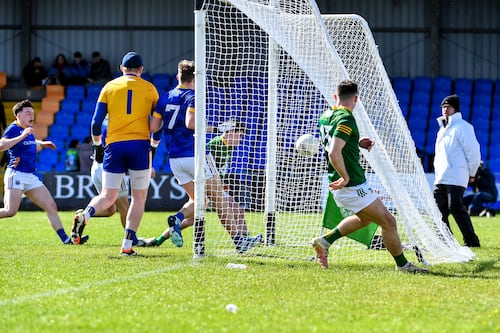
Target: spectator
(59,72)
(72,160)
(80,69)
(485,190)
(456,163)
(100,70)
(34,73)
(85,154)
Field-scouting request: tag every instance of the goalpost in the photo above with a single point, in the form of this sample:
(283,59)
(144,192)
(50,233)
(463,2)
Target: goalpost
(274,65)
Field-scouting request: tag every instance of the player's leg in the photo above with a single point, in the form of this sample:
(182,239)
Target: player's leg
(139,183)
(462,217)
(96,175)
(122,205)
(443,202)
(13,193)
(378,213)
(215,192)
(11,202)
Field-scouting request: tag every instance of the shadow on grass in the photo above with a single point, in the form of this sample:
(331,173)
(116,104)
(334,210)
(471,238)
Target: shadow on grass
(481,269)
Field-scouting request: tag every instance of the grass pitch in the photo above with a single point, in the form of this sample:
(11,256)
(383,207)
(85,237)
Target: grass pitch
(48,287)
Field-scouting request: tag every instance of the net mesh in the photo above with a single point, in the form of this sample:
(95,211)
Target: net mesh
(274,66)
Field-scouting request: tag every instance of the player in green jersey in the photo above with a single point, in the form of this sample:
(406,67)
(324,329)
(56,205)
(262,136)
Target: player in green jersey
(231,215)
(341,142)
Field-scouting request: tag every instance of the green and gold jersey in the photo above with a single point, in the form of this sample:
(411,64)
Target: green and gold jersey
(339,122)
(221,153)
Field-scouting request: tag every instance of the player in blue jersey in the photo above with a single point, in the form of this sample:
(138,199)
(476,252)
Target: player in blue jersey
(127,101)
(22,147)
(176,111)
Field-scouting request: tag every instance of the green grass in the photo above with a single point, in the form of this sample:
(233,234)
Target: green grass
(48,287)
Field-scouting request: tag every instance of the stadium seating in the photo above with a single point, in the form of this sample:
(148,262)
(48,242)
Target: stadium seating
(75,92)
(442,84)
(162,82)
(70,105)
(93,91)
(54,92)
(3,80)
(402,85)
(422,84)
(64,118)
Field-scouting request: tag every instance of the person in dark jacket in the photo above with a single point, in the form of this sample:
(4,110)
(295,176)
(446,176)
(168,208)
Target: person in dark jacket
(34,73)
(485,190)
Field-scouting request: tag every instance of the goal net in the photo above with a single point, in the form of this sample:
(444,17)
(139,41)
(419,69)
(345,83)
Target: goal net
(273,66)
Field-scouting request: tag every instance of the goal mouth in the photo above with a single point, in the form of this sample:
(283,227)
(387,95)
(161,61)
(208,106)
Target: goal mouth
(275,65)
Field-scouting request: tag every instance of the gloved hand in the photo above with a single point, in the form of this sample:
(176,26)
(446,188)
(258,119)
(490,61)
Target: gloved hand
(98,153)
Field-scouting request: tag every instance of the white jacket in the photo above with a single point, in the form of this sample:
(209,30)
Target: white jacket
(457,152)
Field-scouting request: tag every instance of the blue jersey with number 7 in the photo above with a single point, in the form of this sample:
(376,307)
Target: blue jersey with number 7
(172,108)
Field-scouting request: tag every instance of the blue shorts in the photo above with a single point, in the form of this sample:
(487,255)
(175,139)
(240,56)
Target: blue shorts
(126,155)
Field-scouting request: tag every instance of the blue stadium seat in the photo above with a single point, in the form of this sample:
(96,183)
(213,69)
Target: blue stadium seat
(83,119)
(162,81)
(438,96)
(483,137)
(422,83)
(481,125)
(59,142)
(481,99)
(419,111)
(45,166)
(481,113)
(70,105)
(463,87)
(402,84)
(484,86)
(88,106)
(421,98)
(75,92)
(443,85)
(145,76)
(403,98)
(93,91)
(80,131)
(64,117)
(48,155)
(419,137)
(60,131)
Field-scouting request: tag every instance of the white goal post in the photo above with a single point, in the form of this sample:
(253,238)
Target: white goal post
(274,66)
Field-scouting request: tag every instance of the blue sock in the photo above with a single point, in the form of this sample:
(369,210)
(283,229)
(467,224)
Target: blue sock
(91,210)
(62,235)
(180,216)
(130,234)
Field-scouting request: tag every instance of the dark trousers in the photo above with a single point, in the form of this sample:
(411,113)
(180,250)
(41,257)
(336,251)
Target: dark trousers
(474,202)
(449,199)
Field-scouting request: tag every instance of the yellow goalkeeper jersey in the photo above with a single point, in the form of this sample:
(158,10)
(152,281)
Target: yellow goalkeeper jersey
(129,101)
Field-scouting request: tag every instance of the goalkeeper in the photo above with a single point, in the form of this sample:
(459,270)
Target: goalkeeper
(176,111)
(231,215)
(341,142)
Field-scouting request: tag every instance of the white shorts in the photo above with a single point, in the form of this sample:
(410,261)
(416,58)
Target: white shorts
(183,169)
(96,174)
(23,181)
(354,198)
(139,179)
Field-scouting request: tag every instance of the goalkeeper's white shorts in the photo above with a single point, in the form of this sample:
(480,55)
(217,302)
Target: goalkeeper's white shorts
(96,175)
(354,198)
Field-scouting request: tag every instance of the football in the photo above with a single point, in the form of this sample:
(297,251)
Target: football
(307,145)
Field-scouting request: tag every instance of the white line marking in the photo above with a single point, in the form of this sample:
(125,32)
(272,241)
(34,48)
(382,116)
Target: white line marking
(57,292)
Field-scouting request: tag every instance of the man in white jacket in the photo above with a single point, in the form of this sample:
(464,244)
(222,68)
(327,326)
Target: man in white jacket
(455,164)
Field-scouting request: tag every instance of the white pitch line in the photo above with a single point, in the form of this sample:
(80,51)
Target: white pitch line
(23,299)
